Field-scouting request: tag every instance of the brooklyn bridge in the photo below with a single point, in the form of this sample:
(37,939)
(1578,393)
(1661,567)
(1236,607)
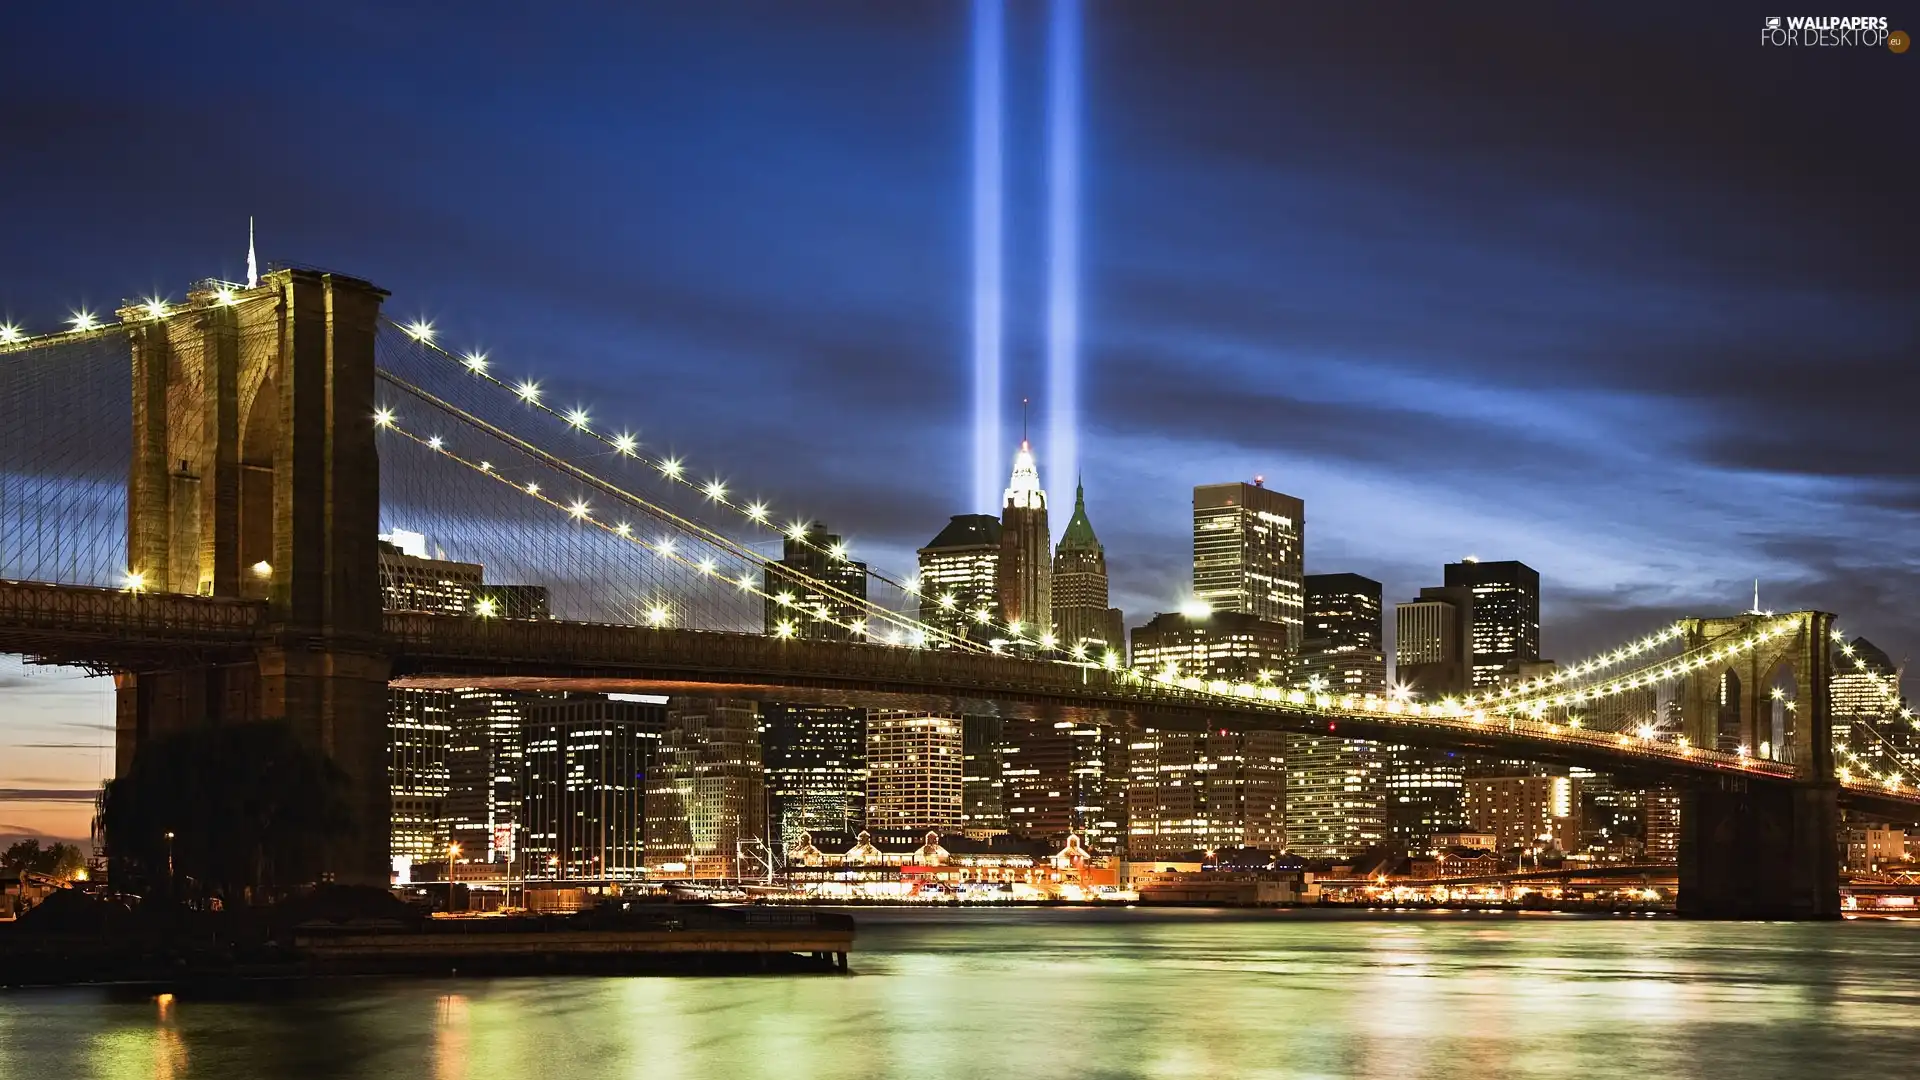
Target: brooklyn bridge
(194,491)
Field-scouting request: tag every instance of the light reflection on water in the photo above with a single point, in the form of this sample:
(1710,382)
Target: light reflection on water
(1116,993)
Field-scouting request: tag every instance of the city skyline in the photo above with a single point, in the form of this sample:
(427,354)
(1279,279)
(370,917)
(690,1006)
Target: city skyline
(1468,376)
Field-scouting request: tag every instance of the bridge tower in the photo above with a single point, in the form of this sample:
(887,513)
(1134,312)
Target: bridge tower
(255,475)
(1762,850)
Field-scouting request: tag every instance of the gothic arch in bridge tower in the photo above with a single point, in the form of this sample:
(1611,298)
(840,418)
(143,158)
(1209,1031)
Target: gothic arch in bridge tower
(259,436)
(1728,703)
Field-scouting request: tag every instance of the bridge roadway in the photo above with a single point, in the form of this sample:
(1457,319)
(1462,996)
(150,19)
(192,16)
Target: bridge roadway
(108,629)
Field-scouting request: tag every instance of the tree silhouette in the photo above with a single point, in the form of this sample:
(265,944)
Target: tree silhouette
(252,811)
(61,861)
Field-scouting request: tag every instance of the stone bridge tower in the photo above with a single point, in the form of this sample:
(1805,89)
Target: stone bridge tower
(1762,850)
(255,476)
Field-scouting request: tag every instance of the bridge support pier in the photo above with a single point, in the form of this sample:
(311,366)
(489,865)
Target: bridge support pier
(256,476)
(1769,852)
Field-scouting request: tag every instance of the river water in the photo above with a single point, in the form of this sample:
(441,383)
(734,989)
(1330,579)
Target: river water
(1062,993)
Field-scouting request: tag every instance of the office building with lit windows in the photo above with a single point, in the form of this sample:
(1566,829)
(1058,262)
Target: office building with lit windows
(419,727)
(816,769)
(1248,551)
(485,758)
(1422,792)
(1433,643)
(983,795)
(706,808)
(1202,791)
(1526,813)
(915,771)
(1335,794)
(1061,778)
(815,592)
(959,579)
(1506,614)
(587,760)
(1226,645)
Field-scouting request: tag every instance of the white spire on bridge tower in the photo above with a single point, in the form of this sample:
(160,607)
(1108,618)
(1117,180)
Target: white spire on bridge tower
(253,265)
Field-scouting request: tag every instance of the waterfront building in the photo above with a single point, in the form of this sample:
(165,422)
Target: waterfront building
(1422,793)
(1526,813)
(419,729)
(1026,551)
(485,762)
(587,759)
(959,581)
(1336,801)
(1082,621)
(1661,819)
(816,771)
(1248,551)
(706,805)
(983,796)
(815,591)
(914,771)
(1505,614)
(1228,645)
(1064,778)
(1205,791)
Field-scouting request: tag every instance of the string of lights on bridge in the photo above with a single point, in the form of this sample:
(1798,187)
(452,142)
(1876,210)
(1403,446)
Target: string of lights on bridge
(675,470)
(84,323)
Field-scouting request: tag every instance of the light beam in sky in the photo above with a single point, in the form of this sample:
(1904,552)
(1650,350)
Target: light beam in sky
(989,46)
(1063,243)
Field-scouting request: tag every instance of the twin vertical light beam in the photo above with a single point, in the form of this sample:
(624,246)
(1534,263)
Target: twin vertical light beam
(989,243)
(1063,242)
(989,63)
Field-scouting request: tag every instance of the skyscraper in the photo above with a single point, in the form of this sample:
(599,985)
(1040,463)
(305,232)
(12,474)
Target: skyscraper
(816,768)
(1065,777)
(1335,793)
(1026,550)
(1423,793)
(1248,547)
(419,725)
(960,578)
(1342,642)
(706,809)
(1433,642)
(1081,616)
(485,760)
(983,796)
(587,762)
(1204,791)
(914,771)
(1506,614)
(815,578)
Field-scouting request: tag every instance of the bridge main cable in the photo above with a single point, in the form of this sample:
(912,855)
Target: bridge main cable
(720,540)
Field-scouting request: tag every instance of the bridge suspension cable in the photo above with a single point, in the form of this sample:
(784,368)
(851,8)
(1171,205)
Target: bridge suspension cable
(913,631)
(675,471)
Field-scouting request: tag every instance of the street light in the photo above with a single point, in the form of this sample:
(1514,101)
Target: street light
(169,861)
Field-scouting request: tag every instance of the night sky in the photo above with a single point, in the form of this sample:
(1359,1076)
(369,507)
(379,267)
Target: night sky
(1616,291)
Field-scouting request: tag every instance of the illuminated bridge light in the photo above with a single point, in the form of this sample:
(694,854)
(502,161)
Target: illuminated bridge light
(476,362)
(9,334)
(436,443)
(84,320)
(420,330)
(757,511)
(383,418)
(224,296)
(671,468)
(657,615)
(623,529)
(529,391)
(715,490)
(745,582)
(577,418)
(625,443)
(579,509)
(707,566)
(156,308)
